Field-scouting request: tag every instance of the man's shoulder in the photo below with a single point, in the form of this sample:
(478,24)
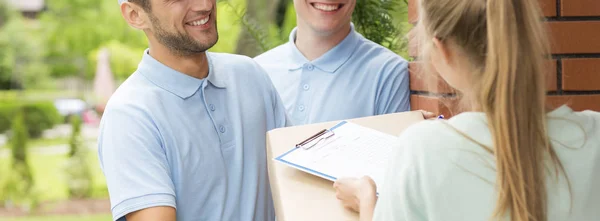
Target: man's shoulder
(273,56)
(136,92)
(240,69)
(378,53)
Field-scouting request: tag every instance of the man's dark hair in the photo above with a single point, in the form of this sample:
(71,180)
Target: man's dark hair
(145,4)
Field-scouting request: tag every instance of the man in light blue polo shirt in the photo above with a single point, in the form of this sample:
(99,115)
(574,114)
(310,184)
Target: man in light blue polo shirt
(183,138)
(328,71)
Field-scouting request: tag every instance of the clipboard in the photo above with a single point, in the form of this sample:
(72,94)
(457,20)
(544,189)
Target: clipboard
(310,142)
(345,150)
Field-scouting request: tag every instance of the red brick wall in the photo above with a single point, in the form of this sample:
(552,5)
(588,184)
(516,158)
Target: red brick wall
(574,79)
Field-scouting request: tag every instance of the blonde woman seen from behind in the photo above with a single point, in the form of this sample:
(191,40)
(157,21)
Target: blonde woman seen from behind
(508,157)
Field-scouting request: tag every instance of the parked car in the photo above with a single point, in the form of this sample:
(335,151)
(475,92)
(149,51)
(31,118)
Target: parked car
(68,107)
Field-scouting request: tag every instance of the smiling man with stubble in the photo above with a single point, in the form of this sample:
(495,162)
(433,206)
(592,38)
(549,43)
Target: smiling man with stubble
(183,138)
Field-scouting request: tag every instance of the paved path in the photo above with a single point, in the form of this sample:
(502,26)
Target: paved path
(62,130)
(50,150)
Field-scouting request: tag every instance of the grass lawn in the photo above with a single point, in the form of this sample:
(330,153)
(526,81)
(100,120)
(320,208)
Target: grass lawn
(107,217)
(43,142)
(49,177)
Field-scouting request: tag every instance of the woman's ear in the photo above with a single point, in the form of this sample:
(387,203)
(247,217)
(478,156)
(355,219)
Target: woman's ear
(443,50)
(135,16)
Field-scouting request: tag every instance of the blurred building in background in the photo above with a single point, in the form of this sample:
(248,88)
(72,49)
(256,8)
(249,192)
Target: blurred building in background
(29,8)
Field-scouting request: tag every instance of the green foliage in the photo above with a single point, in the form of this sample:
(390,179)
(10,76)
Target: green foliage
(258,33)
(123,59)
(103,217)
(375,19)
(228,26)
(74,28)
(78,171)
(49,175)
(264,35)
(75,142)
(18,142)
(77,29)
(7,112)
(22,48)
(5,55)
(18,185)
(39,116)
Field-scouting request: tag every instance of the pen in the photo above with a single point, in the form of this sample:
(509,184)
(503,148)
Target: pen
(313,137)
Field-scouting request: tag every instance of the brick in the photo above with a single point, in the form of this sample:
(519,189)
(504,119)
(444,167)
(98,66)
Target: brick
(548,7)
(445,106)
(580,8)
(418,82)
(575,37)
(582,74)
(576,102)
(551,80)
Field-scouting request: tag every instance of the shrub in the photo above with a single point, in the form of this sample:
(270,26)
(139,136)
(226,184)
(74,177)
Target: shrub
(7,113)
(39,116)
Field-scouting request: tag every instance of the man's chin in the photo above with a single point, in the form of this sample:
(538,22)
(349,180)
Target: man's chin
(326,29)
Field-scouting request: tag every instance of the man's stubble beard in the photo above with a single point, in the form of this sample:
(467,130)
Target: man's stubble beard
(180,44)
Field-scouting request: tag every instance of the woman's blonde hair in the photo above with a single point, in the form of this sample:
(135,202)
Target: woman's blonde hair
(506,44)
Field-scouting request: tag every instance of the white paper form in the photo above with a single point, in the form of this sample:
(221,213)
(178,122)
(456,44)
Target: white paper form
(353,151)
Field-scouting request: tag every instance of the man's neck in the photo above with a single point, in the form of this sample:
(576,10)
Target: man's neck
(194,65)
(313,45)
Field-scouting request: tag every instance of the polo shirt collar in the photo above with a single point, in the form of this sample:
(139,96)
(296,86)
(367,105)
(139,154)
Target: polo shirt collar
(332,60)
(174,81)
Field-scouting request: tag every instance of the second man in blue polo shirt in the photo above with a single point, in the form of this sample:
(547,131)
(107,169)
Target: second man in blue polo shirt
(328,71)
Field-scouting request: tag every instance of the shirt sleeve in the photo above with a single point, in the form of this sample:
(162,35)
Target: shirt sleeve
(400,196)
(134,161)
(394,91)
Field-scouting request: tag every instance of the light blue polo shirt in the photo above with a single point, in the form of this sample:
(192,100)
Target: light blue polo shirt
(357,78)
(168,139)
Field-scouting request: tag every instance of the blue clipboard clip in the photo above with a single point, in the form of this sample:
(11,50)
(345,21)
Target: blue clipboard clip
(315,139)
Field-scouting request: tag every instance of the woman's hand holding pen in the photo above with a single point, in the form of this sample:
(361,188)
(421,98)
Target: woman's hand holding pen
(430,116)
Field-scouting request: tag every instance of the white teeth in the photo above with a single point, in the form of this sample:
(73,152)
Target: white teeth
(199,22)
(204,21)
(324,7)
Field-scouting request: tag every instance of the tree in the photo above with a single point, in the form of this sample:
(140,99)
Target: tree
(18,186)
(75,140)
(79,176)
(21,49)
(18,143)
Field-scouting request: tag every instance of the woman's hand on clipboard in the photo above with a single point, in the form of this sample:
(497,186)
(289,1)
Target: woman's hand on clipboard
(357,194)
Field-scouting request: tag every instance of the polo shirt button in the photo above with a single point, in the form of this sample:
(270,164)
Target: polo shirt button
(306,87)
(310,67)
(212,107)
(301,108)
(222,129)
